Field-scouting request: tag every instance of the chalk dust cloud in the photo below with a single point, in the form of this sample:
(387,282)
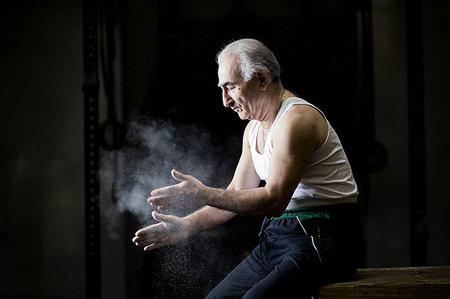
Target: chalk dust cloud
(153,148)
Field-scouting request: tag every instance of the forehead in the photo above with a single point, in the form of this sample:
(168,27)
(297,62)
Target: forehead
(228,72)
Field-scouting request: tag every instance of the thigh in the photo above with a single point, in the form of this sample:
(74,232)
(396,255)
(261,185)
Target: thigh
(241,279)
(300,275)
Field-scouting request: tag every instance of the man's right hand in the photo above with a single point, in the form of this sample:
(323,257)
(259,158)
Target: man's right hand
(170,230)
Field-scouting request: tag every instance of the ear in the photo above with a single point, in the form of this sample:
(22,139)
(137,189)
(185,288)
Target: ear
(263,80)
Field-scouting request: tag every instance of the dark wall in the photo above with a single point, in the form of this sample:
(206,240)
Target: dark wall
(41,150)
(388,231)
(437,95)
(165,68)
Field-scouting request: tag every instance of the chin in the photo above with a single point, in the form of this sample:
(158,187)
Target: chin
(243,116)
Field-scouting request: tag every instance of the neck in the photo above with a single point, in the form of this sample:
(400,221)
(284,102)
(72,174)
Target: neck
(273,106)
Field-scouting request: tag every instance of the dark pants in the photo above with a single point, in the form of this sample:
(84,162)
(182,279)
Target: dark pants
(297,253)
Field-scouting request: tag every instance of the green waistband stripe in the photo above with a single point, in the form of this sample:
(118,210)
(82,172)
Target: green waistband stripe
(304,214)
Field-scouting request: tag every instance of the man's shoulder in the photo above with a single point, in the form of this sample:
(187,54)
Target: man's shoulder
(302,121)
(301,115)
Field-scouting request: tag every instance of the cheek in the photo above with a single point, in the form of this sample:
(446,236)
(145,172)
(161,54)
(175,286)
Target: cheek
(236,96)
(241,95)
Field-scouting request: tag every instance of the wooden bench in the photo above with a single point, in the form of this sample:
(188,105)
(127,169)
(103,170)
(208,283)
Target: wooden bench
(410,282)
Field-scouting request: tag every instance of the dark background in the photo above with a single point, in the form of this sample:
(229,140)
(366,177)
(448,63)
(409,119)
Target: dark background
(352,66)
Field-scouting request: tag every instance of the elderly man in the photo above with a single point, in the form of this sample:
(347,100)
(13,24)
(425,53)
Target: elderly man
(309,234)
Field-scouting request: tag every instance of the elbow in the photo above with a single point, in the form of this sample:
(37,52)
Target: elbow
(276,208)
(273,203)
(277,200)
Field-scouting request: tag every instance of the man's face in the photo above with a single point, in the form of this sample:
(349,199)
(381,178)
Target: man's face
(236,94)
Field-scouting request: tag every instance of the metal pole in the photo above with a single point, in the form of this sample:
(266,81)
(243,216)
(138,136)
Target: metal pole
(365,106)
(91,144)
(416,124)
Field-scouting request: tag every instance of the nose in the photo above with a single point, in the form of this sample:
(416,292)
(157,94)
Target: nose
(227,100)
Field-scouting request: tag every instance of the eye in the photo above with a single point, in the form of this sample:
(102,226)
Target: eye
(231,87)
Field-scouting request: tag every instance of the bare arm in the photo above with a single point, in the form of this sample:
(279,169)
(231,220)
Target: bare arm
(297,135)
(245,177)
(172,229)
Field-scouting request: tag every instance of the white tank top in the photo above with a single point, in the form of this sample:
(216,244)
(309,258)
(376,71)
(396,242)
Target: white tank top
(328,178)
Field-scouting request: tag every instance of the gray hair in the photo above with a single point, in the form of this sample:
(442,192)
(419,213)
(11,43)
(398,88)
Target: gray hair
(251,56)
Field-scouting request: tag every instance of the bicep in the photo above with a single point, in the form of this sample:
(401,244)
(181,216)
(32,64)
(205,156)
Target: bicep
(294,142)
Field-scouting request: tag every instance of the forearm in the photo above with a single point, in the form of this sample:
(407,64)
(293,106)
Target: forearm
(254,201)
(207,217)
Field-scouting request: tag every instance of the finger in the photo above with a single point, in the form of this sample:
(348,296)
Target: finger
(179,176)
(164,217)
(147,242)
(157,216)
(139,241)
(160,202)
(142,232)
(156,200)
(143,238)
(152,246)
(148,230)
(163,190)
(142,243)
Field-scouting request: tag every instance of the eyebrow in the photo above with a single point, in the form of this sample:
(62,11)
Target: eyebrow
(224,84)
